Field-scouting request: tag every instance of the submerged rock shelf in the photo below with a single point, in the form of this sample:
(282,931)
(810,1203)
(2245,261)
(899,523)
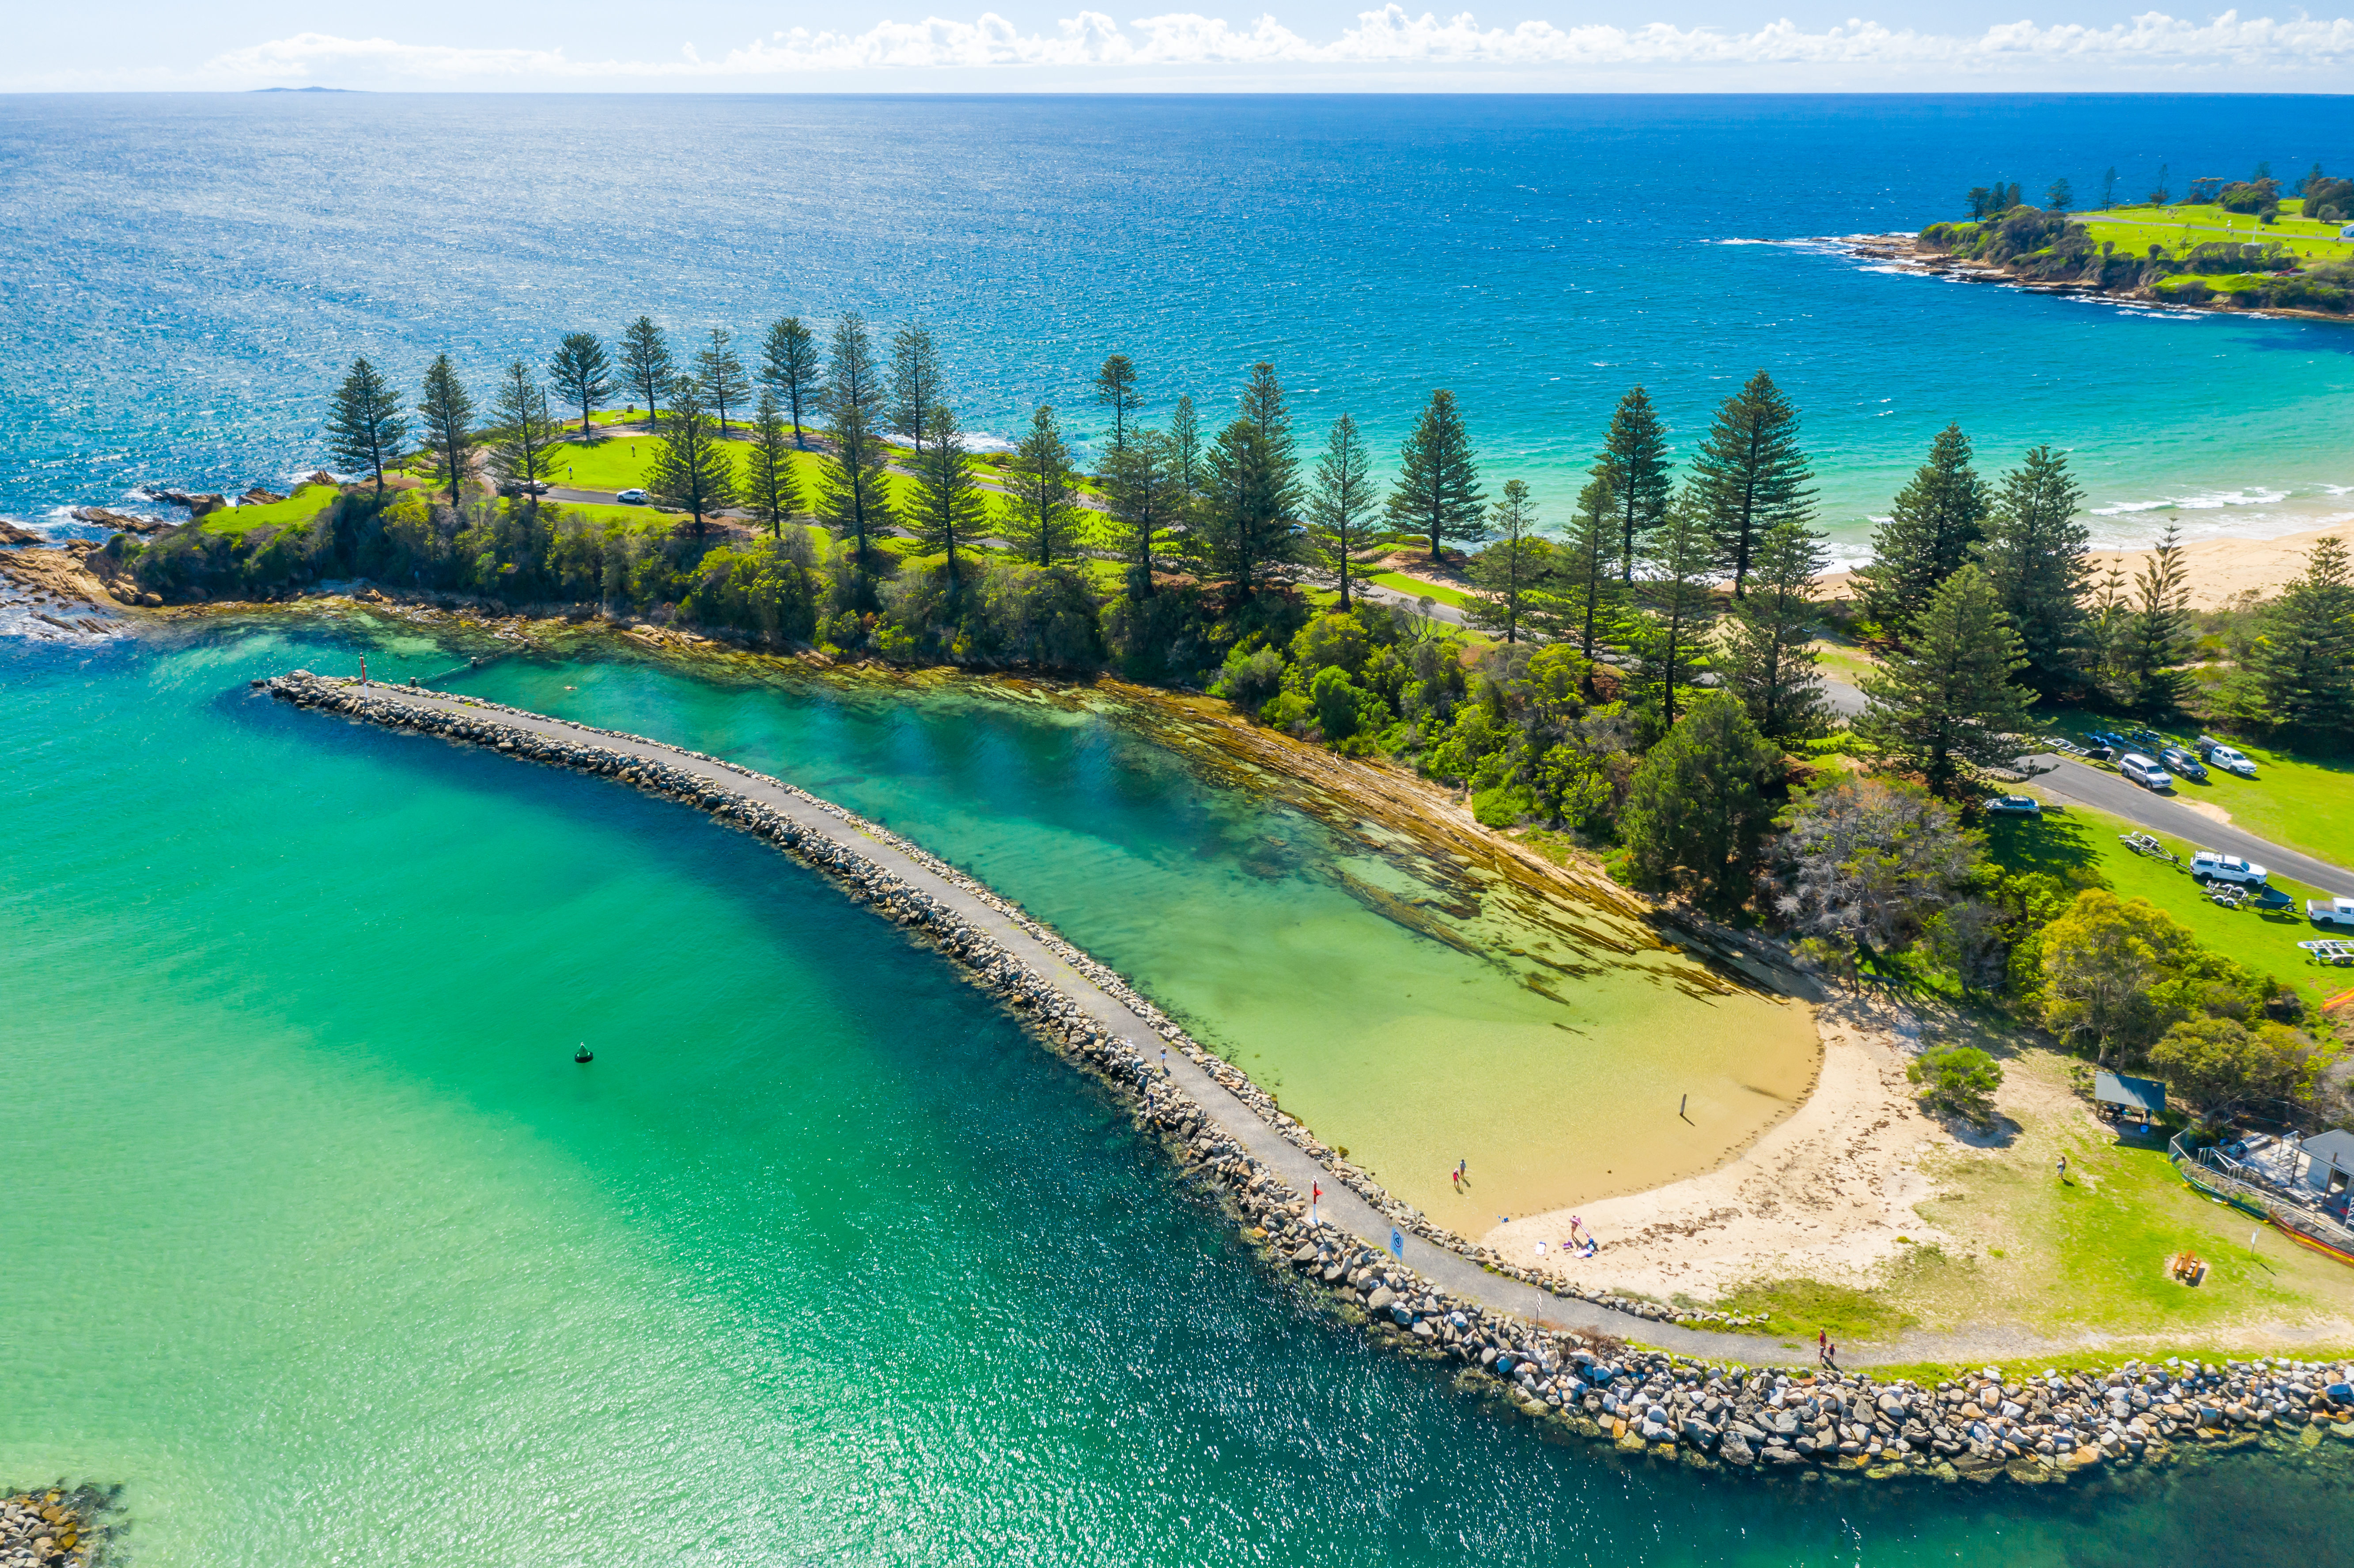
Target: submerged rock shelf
(1696,1399)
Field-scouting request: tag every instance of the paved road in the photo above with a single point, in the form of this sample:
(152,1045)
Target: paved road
(2071,780)
(1341,1207)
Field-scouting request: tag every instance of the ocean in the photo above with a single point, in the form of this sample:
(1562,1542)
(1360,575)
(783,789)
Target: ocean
(319,1240)
(188,276)
(321,1243)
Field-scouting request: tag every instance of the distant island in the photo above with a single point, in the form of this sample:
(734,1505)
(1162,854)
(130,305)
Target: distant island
(305,89)
(2243,245)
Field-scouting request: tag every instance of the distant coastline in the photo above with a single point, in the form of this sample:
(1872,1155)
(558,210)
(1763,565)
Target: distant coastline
(1914,253)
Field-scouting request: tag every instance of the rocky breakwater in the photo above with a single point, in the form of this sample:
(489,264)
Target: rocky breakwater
(1691,1410)
(57,1526)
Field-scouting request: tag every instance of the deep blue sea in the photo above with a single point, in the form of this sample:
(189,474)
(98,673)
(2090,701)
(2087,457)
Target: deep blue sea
(185,276)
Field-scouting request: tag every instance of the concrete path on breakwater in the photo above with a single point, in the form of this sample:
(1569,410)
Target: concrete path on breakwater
(1341,1207)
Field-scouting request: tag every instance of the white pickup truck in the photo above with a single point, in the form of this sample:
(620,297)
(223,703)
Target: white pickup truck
(2209,866)
(2330,911)
(2230,758)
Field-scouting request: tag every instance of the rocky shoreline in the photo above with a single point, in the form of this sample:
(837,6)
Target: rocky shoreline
(1906,253)
(55,1527)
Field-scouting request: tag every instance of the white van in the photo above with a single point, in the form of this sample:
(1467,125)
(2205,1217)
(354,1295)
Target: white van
(2145,771)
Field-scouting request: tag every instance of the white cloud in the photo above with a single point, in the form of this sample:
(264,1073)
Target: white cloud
(1389,41)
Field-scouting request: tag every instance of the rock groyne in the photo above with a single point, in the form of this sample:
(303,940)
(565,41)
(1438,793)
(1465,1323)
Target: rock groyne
(1696,1399)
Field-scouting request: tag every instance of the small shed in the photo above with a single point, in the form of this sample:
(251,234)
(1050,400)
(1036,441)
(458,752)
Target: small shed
(2325,1162)
(2142,1099)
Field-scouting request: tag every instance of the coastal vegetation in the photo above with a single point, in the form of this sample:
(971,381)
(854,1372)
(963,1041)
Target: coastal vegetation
(1640,681)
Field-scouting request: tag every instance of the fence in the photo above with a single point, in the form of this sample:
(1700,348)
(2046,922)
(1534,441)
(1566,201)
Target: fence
(2213,1172)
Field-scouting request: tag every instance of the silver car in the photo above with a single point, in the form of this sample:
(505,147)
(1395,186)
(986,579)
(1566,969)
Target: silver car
(2145,771)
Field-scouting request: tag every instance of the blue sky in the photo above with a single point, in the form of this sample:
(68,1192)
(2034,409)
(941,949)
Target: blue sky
(1328,45)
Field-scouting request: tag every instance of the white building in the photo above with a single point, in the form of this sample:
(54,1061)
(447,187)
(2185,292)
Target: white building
(2325,1162)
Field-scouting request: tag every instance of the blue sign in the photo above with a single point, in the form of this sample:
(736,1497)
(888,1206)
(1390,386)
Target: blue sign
(1397,1244)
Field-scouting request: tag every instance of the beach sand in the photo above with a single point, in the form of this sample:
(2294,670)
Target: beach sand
(1823,1195)
(2219,569)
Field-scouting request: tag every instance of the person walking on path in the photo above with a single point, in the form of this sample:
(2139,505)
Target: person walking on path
(1822,1345)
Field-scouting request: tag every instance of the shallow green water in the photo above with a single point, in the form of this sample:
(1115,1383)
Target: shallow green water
(317,1239)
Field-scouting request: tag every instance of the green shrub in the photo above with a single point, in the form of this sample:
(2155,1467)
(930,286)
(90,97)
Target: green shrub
(1957,1080)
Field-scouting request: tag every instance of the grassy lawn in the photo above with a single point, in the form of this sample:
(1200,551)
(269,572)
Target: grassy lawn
(307,501)
(623,462)
(1415,587)
(2086,840)
(2022,1249)
(2178,228)
(2306,803)
(1841,660)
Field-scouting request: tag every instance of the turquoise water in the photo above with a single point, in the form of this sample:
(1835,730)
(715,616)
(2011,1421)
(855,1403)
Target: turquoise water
(318,1240)
(189,274)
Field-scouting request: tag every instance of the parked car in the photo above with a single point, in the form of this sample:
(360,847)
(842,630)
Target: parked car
(2184,765)
(2144,771)
(2330,911)
(523,487)
(2230,758)
(631,498)
(2208,865)
(2014,806)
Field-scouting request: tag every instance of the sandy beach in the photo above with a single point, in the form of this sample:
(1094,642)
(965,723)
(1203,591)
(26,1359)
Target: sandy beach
(1824,1194)
(2220,568)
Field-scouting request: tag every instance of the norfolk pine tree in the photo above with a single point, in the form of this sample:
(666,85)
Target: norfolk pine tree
(771,488)
(1438,490)
(646,363)
(521,433)
(1509,571)
(1116,388)
(586,375)
(1948,700)
(719,379)
(788,368)
(1670,637)
(1243,522)
(365,428)
(1751,475)
(1635,457)
(1340,501)
(691,470)
(2305,656)
(1768,662)
(945,508)
(915,384)
(2158,637)
(1043,511)
(1185,447)
(850,492)
(1140,482)
(1579,602)
(449,426)
(1937,517)
(2034,556)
